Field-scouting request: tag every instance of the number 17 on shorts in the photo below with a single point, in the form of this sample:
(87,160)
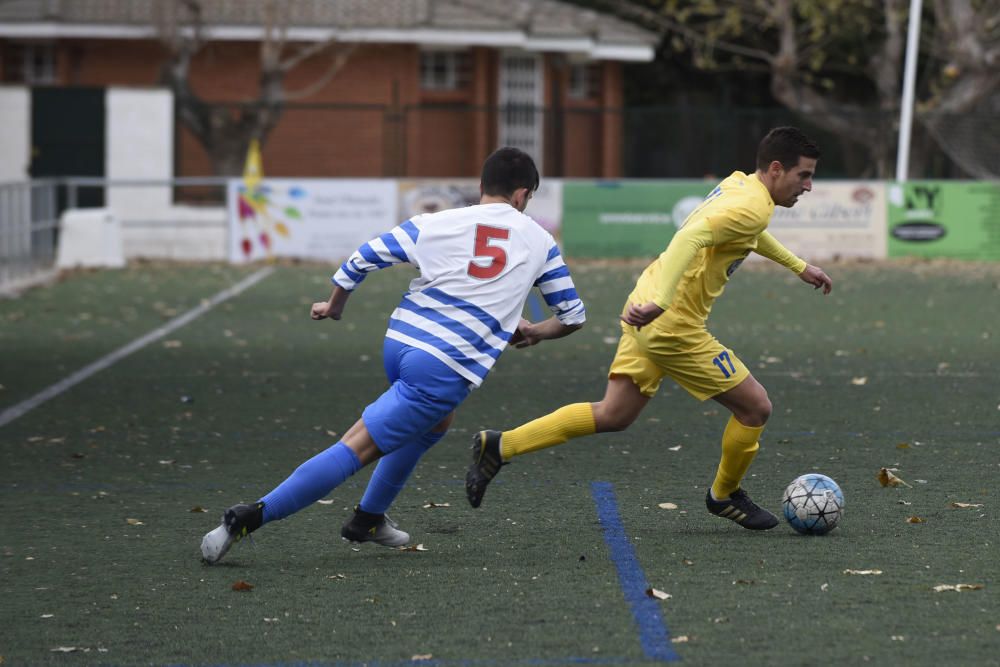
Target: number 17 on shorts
(725,364)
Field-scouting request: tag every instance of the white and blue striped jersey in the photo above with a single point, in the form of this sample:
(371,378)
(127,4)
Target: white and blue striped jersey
(477,265)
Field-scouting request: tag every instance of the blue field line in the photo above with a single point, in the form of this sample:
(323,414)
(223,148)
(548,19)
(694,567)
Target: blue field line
(653,633)
(535,308)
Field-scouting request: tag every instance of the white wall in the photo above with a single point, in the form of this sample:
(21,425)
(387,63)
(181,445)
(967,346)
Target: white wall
(15,133)
(186,233)
(140,145)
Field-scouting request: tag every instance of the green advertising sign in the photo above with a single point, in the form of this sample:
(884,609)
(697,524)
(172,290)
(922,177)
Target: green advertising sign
(625,219)
(944,219)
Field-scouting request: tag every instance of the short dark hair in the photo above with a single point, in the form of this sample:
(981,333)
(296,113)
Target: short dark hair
(786,145)
(508,169)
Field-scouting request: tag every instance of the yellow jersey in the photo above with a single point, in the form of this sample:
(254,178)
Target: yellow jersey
(687,277)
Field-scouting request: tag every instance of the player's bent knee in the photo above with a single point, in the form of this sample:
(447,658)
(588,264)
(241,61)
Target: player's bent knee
(764,410)
(756,413)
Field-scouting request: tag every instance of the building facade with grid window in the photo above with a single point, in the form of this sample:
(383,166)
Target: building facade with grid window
(429,88)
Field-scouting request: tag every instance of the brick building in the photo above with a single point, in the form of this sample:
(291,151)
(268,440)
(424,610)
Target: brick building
(431,88)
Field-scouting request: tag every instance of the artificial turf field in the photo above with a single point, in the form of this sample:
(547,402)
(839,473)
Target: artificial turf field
(897,368)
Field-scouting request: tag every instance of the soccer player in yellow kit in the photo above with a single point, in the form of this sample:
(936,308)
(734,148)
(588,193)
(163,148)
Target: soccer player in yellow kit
(664,331)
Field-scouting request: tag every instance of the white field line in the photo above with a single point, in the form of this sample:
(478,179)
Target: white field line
(13,412)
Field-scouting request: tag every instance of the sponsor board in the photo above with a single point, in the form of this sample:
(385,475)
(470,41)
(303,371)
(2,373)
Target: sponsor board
(321,219)
(431,195)
(625,218)
(944,219)
(836,220)
(638,218)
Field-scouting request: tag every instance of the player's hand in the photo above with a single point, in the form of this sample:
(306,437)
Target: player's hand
(817,278)
(641,315)
(324,309)
(526,335)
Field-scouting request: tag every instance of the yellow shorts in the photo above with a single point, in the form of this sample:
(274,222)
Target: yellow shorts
(692,358)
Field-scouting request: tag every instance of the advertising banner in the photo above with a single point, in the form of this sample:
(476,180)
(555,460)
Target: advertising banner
(430,195)
(836,220)
(321,219)
(625,218)
(945,219)
(638,218)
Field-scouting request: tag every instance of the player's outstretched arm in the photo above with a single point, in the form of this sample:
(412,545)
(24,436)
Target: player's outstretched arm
(816,277)
(529,333)
(333,308)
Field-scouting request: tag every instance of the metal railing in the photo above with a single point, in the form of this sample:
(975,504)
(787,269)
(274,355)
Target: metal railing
(29,228)
(30,213)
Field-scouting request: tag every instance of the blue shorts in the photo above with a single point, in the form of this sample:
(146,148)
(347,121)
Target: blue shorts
(424,390)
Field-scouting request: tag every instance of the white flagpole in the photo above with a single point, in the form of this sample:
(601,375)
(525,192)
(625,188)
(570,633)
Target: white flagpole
(909,79)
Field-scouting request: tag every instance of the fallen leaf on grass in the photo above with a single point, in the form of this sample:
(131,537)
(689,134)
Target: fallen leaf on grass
(415,547)
(941,588)
(197,509)
(863,572)
(667,506)
(242,586)
(134,522)
(430,505)
(903,445)
(886,478)
(964,506)
(659,595)
(914,519)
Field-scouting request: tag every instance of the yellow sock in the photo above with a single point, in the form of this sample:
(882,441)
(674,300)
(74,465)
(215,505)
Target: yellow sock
(739,447)
(555,428)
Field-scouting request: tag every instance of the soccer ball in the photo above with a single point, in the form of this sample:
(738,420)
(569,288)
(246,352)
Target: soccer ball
(813,504)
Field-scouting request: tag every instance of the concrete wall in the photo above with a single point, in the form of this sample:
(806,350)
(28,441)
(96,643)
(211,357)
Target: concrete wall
(140,145)
(185,233)
(15,137)
(140,136)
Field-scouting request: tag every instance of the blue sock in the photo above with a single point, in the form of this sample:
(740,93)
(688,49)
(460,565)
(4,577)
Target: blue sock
(311,481)
(392,471)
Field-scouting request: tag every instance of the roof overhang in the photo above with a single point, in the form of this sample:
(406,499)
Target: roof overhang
(637,52)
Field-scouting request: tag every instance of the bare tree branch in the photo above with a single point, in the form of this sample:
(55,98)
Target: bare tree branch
(337,63)
(226,129)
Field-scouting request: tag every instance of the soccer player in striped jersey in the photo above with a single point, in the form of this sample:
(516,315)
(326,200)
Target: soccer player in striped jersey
(664,331)
(477,265)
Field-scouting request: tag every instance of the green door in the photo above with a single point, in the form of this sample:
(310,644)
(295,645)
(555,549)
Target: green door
(67,138)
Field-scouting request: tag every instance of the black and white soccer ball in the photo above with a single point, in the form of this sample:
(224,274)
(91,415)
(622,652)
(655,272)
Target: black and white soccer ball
(813,504)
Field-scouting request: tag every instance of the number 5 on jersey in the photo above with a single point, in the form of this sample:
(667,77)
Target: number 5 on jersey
(486,247)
